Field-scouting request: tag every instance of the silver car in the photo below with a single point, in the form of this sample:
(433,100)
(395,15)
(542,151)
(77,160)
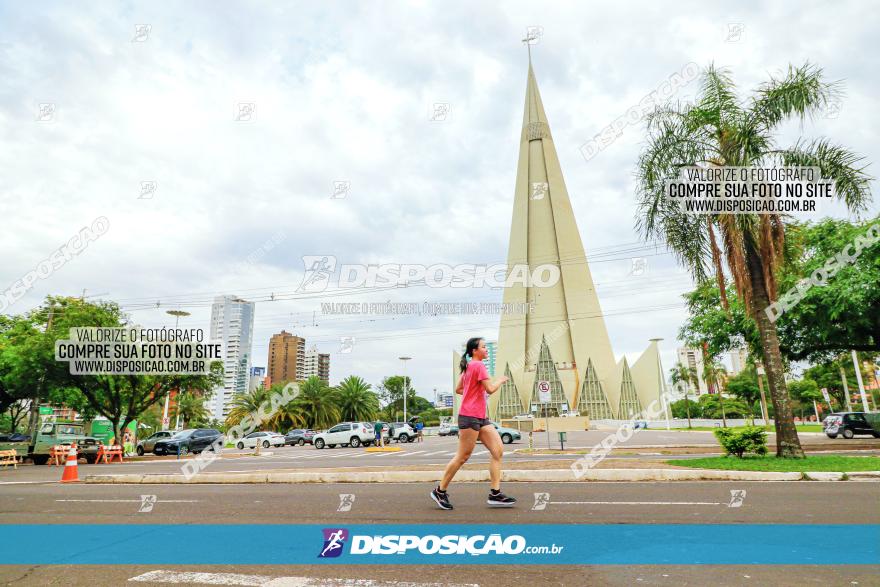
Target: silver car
(147,444)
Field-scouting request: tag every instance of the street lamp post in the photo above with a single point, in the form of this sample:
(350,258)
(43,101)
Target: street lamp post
(177,314)
(405,385)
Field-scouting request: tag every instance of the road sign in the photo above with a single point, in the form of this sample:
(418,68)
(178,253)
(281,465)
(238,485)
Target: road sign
(825,395)
(544,392)
(165,422)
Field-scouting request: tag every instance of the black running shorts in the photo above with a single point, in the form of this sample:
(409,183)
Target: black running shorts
(473,423)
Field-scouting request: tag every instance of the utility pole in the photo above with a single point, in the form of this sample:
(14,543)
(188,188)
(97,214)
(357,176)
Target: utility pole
(845,389)
(855,358)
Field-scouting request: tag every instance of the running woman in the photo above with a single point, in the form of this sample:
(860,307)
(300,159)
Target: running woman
(474,386)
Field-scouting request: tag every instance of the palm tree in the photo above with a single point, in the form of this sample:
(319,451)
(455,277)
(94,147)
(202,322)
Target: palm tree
(712,373)
(317,403)
(719,130)
(356,400)
(284,416)
(246,404)
(687,376)
(191,408)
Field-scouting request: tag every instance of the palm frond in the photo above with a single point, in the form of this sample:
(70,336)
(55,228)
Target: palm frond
(801,92)
(837,163)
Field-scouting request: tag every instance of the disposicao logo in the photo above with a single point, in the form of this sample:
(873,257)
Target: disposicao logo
(334,541)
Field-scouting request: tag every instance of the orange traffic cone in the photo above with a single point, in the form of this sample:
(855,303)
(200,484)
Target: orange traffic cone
(70,474)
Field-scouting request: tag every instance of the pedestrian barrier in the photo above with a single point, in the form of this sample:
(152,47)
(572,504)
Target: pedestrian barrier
(109,452)
(9,457)
(58,454)
(71,472)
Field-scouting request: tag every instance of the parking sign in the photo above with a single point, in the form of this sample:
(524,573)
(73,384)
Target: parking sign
(544,392)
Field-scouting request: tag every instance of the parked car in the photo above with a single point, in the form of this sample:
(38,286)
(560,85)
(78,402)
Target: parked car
(447,429)
(569,414)
(524,417)
(266,439)
(147,444)
(299,436)
(402,432)
(508,435)
(191,440)
(14,437)
(351,434)
(849,424)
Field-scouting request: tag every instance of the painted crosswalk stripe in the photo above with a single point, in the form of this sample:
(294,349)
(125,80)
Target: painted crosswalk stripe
(482,452)
(406,454)
(439,452)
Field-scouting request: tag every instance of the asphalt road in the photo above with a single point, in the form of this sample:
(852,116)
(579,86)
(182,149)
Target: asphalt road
(594,503)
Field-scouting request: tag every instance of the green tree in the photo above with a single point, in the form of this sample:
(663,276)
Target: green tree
(840,316)
(246,404)
(721,130)
(391,394)
(744,385)
(28,366)
(317,403)
(683,376)
(286,416)
(713,372)
(356,400)
(685,408)
(191,409)
(804,392)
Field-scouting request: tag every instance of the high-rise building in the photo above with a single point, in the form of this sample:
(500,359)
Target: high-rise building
(445,400)
(561,345)
(316,364)
(739,359)
(489,361)
(287,353)
(232,326)
(693,359)
(258,375)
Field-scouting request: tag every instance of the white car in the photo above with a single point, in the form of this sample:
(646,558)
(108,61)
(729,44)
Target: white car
(266,439)
(351,434)
(403,432)
(569,414)
(524,417)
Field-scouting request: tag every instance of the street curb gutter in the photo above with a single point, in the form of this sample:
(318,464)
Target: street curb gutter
(547,475)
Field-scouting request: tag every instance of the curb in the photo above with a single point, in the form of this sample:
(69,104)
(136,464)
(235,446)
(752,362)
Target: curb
(546,475)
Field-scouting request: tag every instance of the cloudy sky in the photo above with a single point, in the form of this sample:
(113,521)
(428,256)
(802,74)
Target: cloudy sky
(94,107)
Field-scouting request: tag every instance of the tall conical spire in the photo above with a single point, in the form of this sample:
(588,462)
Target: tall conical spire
(544,231)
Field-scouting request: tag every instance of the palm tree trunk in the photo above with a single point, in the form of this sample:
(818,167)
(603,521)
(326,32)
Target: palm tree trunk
(788,444)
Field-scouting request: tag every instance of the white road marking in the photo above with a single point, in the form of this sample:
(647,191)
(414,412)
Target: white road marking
(635,502)
(128,500)
(406,454)
(439,452)
(482,452)
(268,581)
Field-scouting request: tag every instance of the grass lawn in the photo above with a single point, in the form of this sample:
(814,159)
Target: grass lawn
(833,463)
(804,428)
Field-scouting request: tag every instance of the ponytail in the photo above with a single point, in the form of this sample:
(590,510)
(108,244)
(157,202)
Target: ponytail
(469,348)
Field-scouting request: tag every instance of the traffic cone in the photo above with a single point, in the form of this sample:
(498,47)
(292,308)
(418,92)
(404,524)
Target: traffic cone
(70,474)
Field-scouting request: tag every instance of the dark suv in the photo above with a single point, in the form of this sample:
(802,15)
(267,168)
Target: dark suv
(849,424)
(192,440)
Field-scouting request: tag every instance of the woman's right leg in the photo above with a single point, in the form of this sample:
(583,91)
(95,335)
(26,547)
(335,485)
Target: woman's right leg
(467,440)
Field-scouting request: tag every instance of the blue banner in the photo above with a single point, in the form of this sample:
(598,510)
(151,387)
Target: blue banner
(518,544)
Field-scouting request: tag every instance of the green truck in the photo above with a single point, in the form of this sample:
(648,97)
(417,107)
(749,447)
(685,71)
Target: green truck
(39,446)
